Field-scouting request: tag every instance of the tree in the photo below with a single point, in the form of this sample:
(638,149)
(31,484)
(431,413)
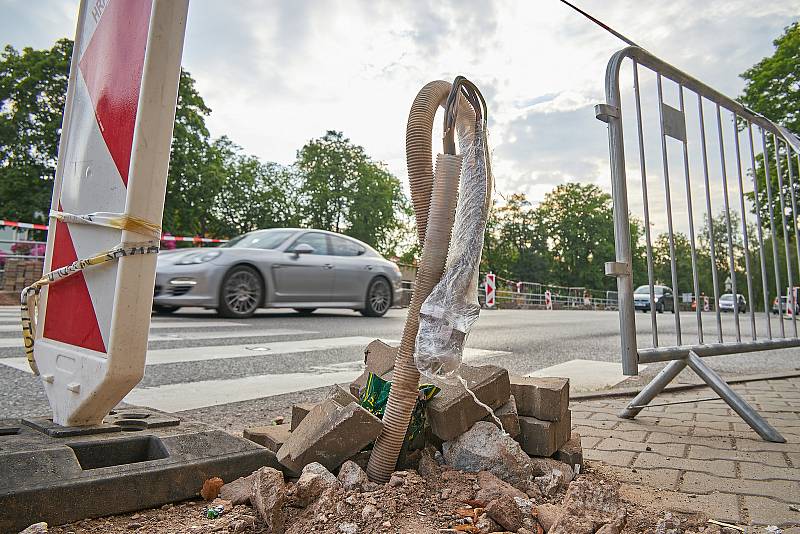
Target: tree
(33,87)
(253,195)
(771,90)
(342,190)
(578,221)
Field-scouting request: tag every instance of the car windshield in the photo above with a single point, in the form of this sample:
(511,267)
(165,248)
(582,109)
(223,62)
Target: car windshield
(267,239)
(645,290)
(727,296)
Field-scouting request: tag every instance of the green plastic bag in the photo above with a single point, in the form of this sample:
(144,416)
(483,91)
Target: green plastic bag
(375,395)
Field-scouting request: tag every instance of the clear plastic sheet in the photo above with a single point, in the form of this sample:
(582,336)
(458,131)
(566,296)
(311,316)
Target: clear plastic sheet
(447,315)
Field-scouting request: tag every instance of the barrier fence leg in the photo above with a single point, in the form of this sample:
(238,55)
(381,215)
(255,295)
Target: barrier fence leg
(745,411)
(656,386)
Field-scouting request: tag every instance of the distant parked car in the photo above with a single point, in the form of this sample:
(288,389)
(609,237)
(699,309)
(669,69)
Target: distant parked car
(726,303)
(277,268)
(664,299)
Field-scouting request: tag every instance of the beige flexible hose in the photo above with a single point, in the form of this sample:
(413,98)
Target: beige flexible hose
(434,197)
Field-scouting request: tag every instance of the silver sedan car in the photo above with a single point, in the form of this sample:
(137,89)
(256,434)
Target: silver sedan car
(277,268)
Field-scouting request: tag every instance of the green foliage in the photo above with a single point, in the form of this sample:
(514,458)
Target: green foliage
(342,190)
(33,85)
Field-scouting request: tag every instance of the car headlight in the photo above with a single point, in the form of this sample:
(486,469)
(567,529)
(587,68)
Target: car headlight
(198,257)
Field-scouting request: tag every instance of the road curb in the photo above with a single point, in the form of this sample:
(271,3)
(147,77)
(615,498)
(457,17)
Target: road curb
(632,392)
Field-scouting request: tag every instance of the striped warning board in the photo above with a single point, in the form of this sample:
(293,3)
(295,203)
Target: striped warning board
(491,290)
(113,158)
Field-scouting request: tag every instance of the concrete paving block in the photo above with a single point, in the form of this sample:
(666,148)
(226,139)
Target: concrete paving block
(507,414)
(73,477)
(571,453)
(341,396)
(544,438)
(453,411)
(329,434)
(299,411)
(379,360)
(545,398)
(269,436)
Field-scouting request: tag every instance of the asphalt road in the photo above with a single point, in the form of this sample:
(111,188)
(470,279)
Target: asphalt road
(235,373)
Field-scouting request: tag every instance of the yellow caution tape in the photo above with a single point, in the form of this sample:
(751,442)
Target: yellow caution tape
(113,220)
(29,298)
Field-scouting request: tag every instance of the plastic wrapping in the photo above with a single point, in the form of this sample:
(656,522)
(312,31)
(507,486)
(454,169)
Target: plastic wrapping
(449,312)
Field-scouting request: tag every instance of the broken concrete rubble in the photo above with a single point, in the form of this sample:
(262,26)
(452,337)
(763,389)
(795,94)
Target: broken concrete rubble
(238,491)
(267,496)
(545,398)
(352,477)
(589,507)
(485,448)
(492,488)
(313,482)
(505,512)
(453,411)
(270,436)
(331,433)
(544,438)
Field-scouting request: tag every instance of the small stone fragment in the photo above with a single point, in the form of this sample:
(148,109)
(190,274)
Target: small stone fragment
(348,528)
(211,487)
(238,491)
(428,466)
(370,512)
(36,528)
(352,476)
(588,507)
(396,481)
(505,512)
(270,436)
(571,453)
(547,514)
(491,487)
(313,481)
(553,482)
(267,495)
(487,524)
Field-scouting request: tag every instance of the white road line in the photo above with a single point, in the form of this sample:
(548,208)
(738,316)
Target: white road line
(154,325)
(586,375)
(187,336)
(193,395)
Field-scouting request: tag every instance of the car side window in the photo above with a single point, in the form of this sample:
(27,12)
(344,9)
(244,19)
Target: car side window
(345,247)
(314,239)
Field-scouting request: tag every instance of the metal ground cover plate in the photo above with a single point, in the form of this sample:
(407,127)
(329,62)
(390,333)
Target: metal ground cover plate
(65,479)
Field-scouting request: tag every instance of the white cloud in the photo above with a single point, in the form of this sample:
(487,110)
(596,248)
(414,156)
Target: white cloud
(279,73)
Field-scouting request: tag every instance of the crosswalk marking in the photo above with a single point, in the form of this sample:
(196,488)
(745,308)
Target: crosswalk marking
(155,325)
(194,395)
(184,336)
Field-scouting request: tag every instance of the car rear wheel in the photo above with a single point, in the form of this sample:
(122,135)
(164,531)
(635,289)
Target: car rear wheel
(305,311)
(379,298)
(241,292)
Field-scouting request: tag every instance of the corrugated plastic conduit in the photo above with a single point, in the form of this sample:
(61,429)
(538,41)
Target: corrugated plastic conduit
(434,196)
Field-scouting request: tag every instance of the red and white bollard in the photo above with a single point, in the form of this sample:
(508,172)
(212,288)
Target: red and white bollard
(548,300)
(706,306)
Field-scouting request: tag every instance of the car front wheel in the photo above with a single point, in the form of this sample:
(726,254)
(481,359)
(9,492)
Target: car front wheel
(241,292)
(379,298)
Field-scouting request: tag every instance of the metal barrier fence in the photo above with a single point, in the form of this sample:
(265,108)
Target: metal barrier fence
(776,155)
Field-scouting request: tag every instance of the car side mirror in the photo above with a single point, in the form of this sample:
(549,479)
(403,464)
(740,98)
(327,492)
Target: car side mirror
(303,248)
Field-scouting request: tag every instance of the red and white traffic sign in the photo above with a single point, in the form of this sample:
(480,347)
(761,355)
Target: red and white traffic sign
(548,300)
(491,289)
(706,306)
(113,158)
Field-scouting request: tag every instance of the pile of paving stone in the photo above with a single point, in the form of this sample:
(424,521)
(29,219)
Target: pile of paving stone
(534,458)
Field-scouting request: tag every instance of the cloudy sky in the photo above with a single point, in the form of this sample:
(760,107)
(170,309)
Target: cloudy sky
(277,73)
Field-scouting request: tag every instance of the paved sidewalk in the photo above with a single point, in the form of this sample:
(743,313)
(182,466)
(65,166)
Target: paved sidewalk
(701,456)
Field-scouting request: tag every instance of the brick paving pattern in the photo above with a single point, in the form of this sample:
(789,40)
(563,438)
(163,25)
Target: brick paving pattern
(701,457)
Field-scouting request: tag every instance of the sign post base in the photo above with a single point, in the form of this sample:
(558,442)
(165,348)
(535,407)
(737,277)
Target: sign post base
(137,458)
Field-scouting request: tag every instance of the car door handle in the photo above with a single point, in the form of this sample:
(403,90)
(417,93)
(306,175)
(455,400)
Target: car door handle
(328,266)
(368,267)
